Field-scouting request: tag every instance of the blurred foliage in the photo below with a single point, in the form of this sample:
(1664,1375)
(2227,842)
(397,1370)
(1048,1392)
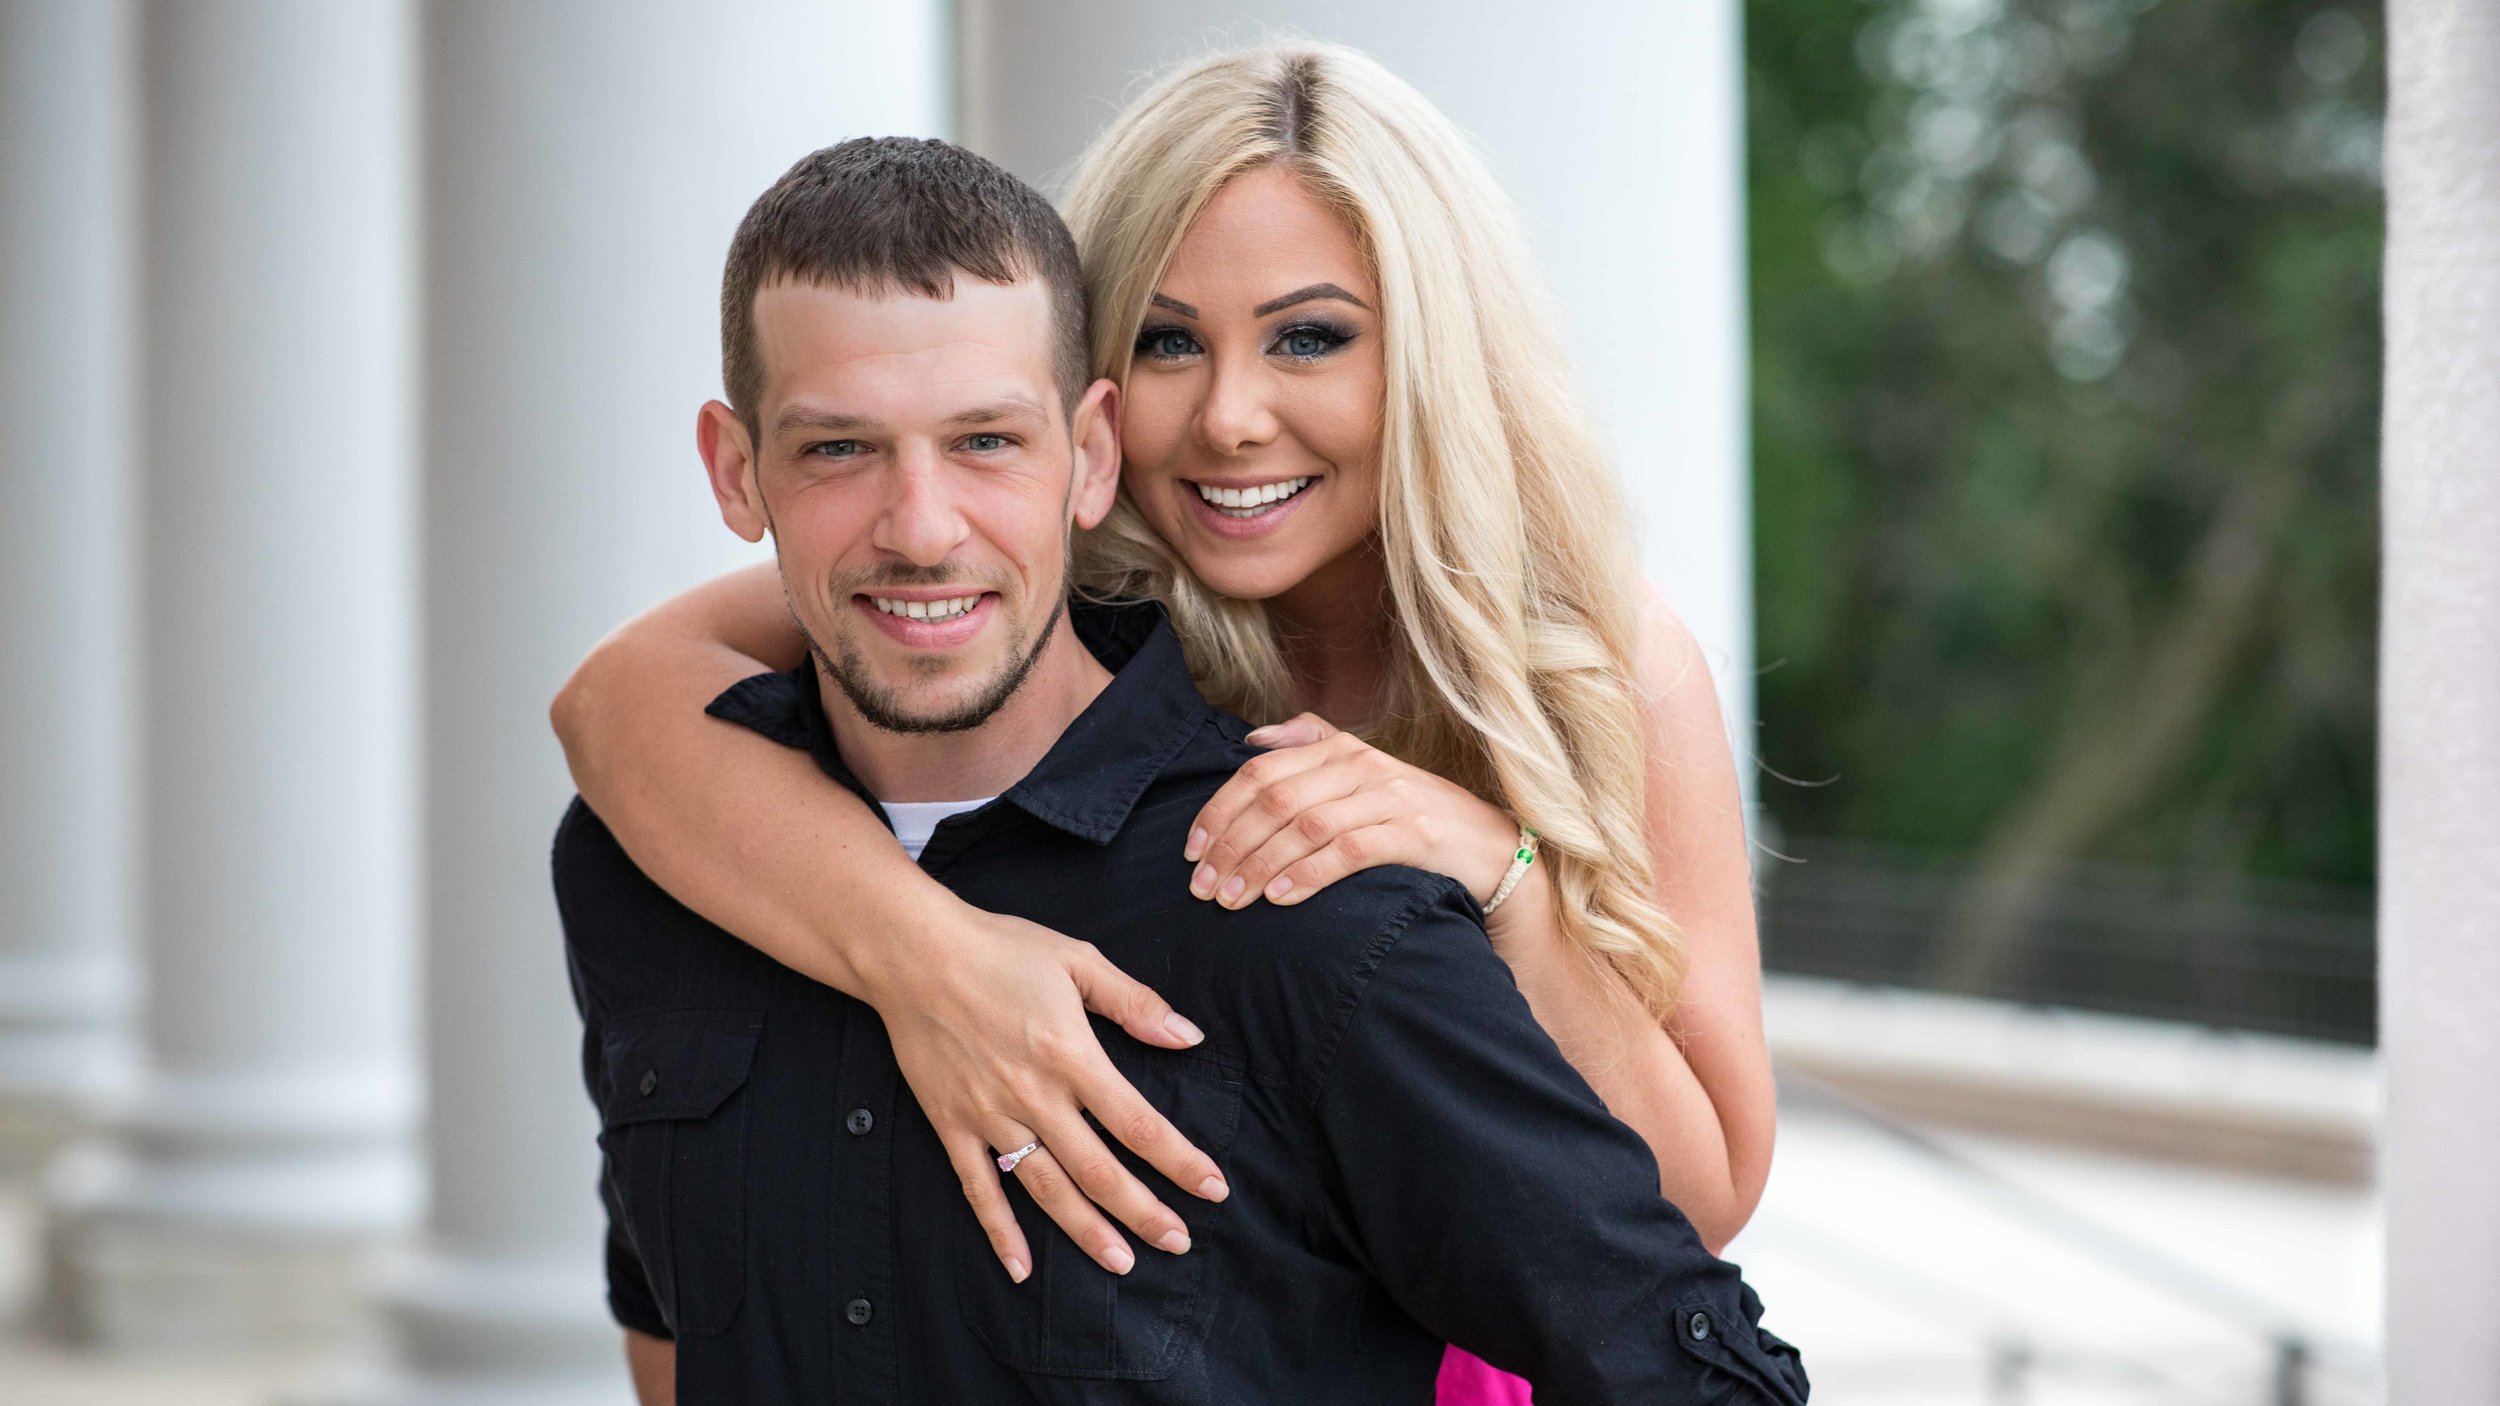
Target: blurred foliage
(2065,340)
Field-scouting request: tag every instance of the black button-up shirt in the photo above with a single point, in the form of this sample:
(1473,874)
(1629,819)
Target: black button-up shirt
(1412,1161)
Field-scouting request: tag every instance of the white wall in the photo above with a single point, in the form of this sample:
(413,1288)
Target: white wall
(66,187)
(2439,701)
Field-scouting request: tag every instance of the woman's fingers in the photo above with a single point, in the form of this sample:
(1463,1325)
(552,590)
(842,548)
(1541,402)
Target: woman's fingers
(1107,1182)
(1065,1202)
(1299,730)
(1242,788)
(1142,1129)
(978,1171)
(993,1046)
(1356,848)
(1274,806)
(1115,1103)
(1361,820)
(1129,1003)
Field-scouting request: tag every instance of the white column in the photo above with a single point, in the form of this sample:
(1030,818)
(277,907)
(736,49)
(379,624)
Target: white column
(586,168)
(2439,703)
(1618,128)
(65,185)
(265,1150)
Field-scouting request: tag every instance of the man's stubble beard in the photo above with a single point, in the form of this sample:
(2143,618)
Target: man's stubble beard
(882,707)
(878,704)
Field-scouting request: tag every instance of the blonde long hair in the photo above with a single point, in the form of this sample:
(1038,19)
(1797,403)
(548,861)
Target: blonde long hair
(1510,574)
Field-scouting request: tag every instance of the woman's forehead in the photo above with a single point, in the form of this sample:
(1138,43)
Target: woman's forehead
(1265,227)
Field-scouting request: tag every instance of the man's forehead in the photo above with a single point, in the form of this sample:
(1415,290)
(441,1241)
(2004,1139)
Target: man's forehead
(897,358)
(980,322)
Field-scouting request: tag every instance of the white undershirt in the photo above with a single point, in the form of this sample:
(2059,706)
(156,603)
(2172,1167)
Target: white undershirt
(916,821)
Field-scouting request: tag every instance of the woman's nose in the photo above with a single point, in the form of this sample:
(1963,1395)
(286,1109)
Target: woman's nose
(1236,414)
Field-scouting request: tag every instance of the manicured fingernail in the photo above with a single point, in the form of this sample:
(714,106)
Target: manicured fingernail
(1202,882)
(1016,1270)
(1196,848)
(1118,1258)
(1213,1189)
(1175,1242)
(1278,887)
(1257,736)
(1232,891)
(1182,1030)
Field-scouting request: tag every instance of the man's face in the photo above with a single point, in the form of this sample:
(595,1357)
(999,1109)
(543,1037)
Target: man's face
(919,478)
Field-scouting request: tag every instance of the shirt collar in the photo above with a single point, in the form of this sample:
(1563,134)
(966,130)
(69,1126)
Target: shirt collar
(1091,778)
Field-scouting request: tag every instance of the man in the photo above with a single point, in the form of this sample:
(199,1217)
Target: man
(1410,1161)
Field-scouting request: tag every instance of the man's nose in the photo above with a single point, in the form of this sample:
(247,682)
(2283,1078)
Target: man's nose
(920,520)
(1236,414)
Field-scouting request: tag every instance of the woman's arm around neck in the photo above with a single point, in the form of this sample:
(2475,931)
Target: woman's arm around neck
(987,1013)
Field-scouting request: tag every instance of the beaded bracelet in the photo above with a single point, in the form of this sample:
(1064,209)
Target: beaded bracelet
(1519,863)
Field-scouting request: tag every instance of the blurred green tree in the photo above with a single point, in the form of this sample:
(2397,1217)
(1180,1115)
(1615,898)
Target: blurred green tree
(2065,339)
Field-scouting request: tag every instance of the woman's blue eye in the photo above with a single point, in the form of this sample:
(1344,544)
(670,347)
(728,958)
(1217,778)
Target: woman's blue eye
(1309,342)
(1165,343)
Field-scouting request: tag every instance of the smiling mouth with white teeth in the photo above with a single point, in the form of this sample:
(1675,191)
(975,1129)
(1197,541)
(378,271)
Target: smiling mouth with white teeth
(946,609)
(1251,502)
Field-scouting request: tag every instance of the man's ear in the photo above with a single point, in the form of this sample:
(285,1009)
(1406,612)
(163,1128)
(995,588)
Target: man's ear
(729,461)
(1094,432)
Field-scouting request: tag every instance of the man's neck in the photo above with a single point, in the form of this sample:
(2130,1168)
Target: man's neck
(979,761)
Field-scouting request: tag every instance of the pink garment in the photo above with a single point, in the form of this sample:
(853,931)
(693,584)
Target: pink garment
(1469,1380)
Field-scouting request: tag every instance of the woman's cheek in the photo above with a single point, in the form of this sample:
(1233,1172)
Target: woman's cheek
(1351,431)
(1147,437)
(1141,484)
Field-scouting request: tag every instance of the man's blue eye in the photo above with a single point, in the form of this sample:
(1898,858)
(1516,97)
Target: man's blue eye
(985,443)
(1165,343)
(835,448)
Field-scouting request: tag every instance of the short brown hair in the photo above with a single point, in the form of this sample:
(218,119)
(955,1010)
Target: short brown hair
(876,214)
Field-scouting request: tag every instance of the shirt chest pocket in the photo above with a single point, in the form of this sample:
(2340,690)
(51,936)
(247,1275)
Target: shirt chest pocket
(1073,1318)
(673,1123)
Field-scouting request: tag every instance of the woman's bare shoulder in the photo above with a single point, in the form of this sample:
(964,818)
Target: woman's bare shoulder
(1670,666)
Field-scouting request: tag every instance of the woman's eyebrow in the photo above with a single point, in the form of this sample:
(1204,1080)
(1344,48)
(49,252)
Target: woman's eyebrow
(1305,295)
(1175,304)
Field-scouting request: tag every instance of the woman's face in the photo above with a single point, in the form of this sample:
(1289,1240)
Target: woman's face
(1250,422)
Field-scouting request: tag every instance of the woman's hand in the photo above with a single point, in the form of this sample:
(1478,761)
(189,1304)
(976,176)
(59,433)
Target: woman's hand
(987,1013)
(987,1017)
(1323,804)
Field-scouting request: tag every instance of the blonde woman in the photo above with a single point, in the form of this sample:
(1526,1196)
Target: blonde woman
(1355,473)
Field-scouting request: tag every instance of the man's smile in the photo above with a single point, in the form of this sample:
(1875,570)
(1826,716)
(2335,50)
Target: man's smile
(923,619)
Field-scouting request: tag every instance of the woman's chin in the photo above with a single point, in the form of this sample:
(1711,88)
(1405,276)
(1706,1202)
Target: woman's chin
(1238,580)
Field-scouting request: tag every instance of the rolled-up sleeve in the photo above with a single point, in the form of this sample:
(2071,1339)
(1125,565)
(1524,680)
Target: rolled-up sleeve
(630,1300)
(1504,1209)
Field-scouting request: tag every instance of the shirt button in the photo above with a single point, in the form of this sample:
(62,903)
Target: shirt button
(858,1311)
(860,1121)
(1699,1326)
(650,1081)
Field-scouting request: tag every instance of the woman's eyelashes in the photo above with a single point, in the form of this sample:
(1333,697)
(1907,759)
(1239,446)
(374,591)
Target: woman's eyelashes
(1307,340)
(1165,343)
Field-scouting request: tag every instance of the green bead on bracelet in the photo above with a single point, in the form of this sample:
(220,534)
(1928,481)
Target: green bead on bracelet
(1519,862)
